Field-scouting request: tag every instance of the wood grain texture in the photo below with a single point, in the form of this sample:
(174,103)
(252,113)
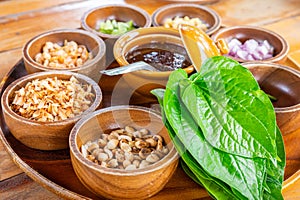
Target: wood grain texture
(294,57)
(24,188)
(255,12)
(8,168)
(7,8)
(19,23)
(291,187)
(289,28)
(20,28)
(8,59)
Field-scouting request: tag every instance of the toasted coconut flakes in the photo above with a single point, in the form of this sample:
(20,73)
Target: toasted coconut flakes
(52,99)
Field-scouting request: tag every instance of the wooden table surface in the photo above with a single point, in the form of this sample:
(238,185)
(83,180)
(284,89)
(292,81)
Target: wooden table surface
(20,20)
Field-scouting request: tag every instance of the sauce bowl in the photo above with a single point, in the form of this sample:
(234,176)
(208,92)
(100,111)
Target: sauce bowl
(144,81)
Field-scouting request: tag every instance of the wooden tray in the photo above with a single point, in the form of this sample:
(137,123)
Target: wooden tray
(53,169)
(193,1)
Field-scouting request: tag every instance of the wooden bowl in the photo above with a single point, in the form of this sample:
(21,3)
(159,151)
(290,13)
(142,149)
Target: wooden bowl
(119,183)
(144,81)
(120,12)
(283,83)
(94,44)
(44,135)
(243,33)
(205,14)
(193,1)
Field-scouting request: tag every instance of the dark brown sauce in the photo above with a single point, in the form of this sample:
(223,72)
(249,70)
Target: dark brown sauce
(164,57)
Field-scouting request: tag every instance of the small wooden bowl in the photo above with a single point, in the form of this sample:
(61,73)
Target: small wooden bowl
(94,44)
(193,1)
(243,33)
(283,83)
(44,135)
(118,183)
(207,15)
(144,81)
(120,12)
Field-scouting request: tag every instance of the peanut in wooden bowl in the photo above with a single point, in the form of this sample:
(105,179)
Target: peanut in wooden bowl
(119,183)
(44,135)
(205,14)
(93,43)
(283,83)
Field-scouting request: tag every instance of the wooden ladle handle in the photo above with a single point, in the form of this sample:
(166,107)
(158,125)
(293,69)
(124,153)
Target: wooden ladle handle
(199,45)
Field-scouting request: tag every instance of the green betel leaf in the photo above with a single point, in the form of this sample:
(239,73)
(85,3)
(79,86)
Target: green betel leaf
(243,174)
(224,128)
(234,114)
(275,173)
(215,187)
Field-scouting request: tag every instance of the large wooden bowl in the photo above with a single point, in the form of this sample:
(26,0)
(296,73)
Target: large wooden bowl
(284,84)
(44,135)
(118,183)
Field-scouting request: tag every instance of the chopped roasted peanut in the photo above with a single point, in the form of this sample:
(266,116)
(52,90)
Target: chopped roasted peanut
(174,23)
(70,55)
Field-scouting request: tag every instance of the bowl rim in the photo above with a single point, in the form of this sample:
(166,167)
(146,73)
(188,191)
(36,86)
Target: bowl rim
(87,64)
(285,45)
(85,26)
(135,33)
(23,80)
(172,154)
(217,18)
(295,72)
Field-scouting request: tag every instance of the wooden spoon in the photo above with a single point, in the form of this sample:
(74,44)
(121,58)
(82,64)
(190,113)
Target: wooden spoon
(199,45)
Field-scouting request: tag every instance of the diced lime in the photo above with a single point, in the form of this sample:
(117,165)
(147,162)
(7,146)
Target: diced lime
(130,23)
(114,23)
(108,25)
(102,24)
(115,28)
(122,26)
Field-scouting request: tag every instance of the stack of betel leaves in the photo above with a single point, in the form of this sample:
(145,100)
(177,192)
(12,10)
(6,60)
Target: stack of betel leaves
(224,128)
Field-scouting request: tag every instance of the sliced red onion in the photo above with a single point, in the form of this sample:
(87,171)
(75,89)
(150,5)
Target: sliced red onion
(251,49)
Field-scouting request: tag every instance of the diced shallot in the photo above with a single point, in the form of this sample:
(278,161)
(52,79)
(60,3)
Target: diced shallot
(251,49)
